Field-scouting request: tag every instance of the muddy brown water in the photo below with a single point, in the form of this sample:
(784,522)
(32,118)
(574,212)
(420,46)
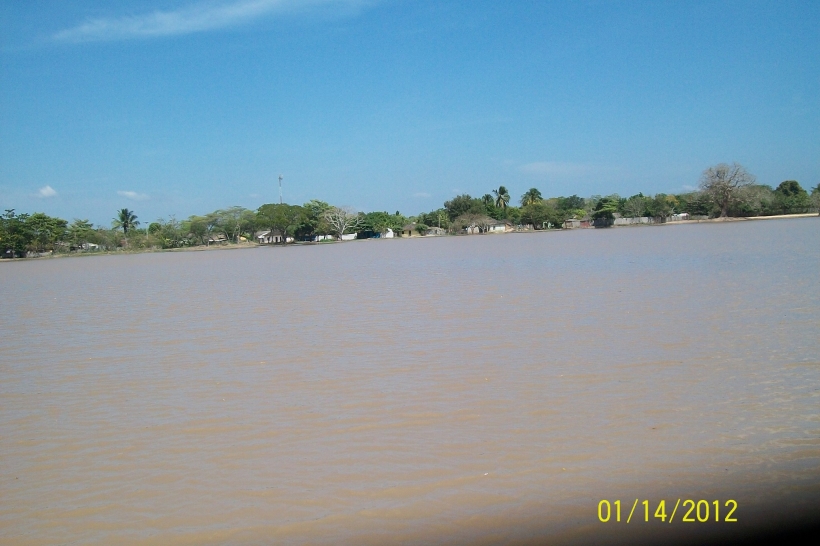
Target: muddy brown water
(483,390)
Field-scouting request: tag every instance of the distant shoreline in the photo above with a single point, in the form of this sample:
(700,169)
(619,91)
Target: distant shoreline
(744,218)
(239,246)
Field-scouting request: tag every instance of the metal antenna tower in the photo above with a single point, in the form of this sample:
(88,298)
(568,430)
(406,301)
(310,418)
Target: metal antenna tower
(280,189)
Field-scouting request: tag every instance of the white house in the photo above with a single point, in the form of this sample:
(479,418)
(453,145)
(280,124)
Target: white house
(265,238)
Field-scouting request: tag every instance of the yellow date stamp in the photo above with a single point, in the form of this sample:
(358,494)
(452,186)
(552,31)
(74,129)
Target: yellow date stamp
(691,511)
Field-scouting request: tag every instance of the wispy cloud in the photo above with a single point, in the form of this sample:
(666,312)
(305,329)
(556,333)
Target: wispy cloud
(134,196)
(197,17)
(46,191)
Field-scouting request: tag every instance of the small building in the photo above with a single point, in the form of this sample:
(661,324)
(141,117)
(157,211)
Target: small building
(217,239)
(271,238)
(410,231)
(436,232)
(388,234)
(576,223)
(500,226)
(349,236)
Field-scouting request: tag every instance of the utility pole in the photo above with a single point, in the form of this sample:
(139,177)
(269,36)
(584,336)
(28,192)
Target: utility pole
(280,189)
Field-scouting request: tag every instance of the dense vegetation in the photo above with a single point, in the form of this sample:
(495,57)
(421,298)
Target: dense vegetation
(725,190)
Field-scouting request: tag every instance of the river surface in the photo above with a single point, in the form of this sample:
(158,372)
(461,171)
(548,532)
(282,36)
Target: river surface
(483,390)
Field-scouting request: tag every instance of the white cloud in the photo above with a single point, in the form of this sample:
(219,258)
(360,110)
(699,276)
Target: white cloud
(134,196)
(198,17)
(46,191)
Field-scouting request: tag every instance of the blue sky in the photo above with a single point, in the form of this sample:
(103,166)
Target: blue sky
(180,107)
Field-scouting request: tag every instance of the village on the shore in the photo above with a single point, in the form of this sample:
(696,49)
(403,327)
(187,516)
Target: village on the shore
(725,192)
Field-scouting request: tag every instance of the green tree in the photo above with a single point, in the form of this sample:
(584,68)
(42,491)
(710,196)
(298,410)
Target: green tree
(167,234)
(80,232)
(573,202)
(542,215)
(281,219)
(635,206)
(695,203)
(438,218)
(753,200)
(790,197)
(380,222)
(229,222)
(312,221)
(532,196)
(247,224)
(502,197)
(661,206)
(513,214)
(605,208)
(15,234)
(196,228)
(46,231)
(463,204)
(125,220)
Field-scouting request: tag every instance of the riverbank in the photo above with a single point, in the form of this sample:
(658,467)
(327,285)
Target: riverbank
(238,246)
(120,252)
(744,218)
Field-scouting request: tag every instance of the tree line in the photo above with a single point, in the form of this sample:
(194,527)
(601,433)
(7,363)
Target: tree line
(724,191)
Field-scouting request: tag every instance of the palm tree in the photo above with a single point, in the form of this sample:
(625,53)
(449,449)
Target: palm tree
(502,197)
(487,199)
(532,197)
(126,220)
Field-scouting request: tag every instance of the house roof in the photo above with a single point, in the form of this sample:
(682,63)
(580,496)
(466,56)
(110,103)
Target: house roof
(265,233)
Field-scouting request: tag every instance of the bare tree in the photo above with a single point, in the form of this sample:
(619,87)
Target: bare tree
(469,219)
(722,183)
(341,219)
